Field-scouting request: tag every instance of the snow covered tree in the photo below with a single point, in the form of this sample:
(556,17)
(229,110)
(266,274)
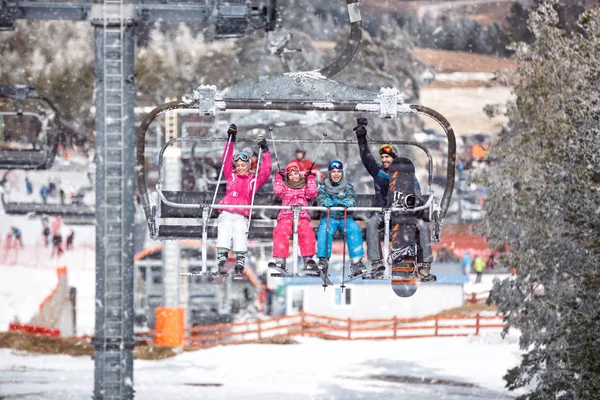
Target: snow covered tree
(544,204)
(55,57)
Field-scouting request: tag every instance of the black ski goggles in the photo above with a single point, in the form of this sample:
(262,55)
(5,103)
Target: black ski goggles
(241,156)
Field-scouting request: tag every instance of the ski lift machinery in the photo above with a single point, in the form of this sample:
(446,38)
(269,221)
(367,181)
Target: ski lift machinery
(39,153)
(295,91)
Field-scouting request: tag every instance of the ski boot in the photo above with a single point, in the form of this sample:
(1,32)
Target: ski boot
(377,268)
(424,273)
(278,265)
(357,268)
(239,265)
(221,260)
(323,264)
(239,271)
(309,264)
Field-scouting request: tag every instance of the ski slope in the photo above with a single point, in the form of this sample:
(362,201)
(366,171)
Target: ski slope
(470,367)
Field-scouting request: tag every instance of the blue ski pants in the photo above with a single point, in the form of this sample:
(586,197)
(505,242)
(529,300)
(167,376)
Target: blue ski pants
(353,237)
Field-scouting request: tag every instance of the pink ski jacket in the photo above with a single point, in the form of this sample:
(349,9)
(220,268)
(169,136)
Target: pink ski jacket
(294,197)
(239,187)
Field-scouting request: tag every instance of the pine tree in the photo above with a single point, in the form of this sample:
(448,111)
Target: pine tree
(544,204)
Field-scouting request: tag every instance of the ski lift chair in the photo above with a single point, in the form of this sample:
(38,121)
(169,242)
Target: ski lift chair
(297,91)
(29,152)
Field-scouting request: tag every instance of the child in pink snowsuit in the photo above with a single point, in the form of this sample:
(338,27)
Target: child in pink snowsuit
(232,225)
(295,190)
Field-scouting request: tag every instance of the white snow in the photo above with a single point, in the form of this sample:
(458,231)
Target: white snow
(464,76)
(313,369)
(17,299)
(487,281)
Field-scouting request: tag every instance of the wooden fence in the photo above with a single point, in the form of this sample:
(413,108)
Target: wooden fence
(338,329)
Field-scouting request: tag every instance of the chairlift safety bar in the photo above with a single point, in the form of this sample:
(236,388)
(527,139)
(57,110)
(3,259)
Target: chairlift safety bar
(330,141)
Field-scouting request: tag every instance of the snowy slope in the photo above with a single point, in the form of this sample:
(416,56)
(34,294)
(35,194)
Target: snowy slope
(22,289)
(314,369)
(28,277)
(21,292)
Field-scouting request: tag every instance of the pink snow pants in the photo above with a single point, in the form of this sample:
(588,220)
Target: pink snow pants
(282,233)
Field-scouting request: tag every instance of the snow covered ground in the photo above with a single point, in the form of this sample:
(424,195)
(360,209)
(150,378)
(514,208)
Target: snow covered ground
(487,281)
(22,289)
(438,368)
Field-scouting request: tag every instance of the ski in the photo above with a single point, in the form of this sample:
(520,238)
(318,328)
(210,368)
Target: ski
(355,277)
(325,277)
(238,277)
(282,272)
(224,271)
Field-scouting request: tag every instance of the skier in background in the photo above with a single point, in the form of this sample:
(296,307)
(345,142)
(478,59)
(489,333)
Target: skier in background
(44,193)
(479,265)
(46,232)
(70,238)
(57,249)
(28,185)
(17,236)
(305,164)
(466,263)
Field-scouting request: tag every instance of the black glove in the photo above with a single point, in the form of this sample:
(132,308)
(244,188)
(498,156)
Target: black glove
(262,143)
(232,132)
(360,130)
(282,173)
(307,174)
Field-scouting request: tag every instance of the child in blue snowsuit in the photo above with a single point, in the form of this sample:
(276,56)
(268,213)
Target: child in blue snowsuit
(334,191)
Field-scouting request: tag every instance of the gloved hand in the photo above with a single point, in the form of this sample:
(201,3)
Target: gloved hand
(308,174)
(360,130)
(262,143)
(347,202)
(232,132)
(282,173)
(328,203)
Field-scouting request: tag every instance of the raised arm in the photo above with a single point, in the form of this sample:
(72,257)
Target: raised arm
(227,158)
(365,155)
(264,173)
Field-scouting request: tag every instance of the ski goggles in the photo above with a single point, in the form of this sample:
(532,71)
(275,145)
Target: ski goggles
(335,164)
(292,168)
(386,148)
(241,156)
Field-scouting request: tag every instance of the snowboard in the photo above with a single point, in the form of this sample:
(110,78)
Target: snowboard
(404,233)
(223,272)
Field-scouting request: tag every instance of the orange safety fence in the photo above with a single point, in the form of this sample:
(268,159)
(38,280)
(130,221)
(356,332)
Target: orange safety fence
(324,327)
(60,271)
(338,329)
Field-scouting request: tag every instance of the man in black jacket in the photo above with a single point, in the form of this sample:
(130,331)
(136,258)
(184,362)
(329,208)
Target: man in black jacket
(381,181)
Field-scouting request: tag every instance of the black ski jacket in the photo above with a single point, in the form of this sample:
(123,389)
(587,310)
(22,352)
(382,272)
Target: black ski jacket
(381,179)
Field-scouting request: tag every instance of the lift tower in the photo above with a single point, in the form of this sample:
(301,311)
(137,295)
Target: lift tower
(114,24)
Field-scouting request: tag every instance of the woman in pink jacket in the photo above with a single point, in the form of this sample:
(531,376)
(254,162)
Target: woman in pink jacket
(295,190)
(232,225)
